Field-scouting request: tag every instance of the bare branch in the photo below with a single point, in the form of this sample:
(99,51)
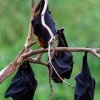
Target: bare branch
(65,49)
(95,53)
(31,44)
(50,83)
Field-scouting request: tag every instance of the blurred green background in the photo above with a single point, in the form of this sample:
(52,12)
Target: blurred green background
(81,20)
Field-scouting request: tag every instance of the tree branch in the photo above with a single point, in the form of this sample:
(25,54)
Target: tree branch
(14,65)
(71,49)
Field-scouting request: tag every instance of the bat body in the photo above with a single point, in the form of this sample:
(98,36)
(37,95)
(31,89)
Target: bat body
(23,84)
(62,61)
(42,35)
(85,84)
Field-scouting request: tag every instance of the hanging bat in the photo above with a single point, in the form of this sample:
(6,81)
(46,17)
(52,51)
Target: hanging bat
(42,34)
(62,61)
(85,84)
(23,84)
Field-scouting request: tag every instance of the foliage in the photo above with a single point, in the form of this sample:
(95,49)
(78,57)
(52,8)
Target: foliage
(81,22)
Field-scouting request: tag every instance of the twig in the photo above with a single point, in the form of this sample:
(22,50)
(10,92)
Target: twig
(39,55)
(50,82)
(43,21)
(50,73)
(29,38)
(61,78)
(31,44)
(33,60)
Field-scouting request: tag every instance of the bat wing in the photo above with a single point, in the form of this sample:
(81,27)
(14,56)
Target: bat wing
(23,84)
(63,65)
